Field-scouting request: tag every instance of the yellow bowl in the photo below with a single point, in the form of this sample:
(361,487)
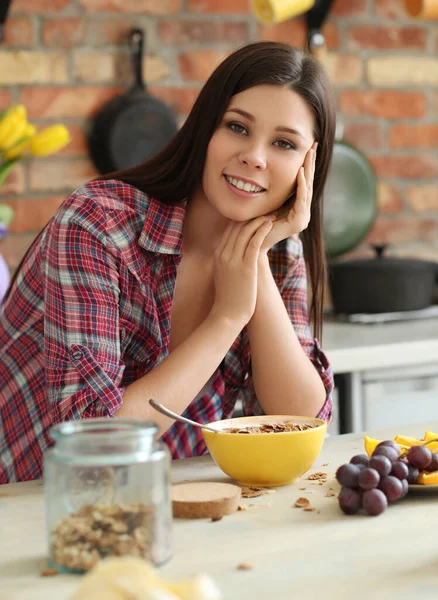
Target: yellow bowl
(265,459)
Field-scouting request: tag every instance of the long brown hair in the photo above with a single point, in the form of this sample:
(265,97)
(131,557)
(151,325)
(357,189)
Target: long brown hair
(173,174)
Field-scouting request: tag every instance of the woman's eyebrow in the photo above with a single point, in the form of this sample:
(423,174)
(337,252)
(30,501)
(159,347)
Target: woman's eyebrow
(251,117)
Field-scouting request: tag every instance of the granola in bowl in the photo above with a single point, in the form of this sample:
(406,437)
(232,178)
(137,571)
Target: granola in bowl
(282,427)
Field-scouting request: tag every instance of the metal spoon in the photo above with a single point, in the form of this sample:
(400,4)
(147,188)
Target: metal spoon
(169,413)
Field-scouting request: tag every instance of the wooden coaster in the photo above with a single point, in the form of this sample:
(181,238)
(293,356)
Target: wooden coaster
(204,500)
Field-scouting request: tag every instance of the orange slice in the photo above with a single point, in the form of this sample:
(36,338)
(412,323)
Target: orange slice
(408,442)
(370,444)
(430,435)
(426,478)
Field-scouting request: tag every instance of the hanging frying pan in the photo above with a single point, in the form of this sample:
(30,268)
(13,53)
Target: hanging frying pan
(350,194)
(4,7)
(133,126)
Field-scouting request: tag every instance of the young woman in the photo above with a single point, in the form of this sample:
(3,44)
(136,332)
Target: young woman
(182,279)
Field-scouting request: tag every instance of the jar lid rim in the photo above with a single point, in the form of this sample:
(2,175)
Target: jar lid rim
(123,427)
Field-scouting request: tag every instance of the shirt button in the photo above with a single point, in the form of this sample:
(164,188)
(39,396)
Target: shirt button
(77,355)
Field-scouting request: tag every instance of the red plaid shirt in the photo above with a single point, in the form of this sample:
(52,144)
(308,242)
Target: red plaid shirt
(90,314)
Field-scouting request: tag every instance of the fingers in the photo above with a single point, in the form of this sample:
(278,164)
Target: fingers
(306,175)
(253,248)
(237,228)
(309,169)
(315,147)
(301,188)
(308,166)
(246,235)
(225,237)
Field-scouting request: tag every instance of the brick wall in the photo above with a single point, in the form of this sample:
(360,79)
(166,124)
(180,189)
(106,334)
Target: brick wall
(65,58)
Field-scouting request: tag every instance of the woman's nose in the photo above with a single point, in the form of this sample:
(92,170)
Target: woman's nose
(253,157)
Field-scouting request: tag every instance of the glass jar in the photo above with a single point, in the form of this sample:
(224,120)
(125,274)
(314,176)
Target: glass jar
(107,493)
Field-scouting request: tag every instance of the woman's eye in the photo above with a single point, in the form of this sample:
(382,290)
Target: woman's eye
(237,127)
(285,144)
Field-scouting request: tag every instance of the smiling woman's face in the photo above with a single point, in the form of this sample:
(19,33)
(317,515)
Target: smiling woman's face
(254,156)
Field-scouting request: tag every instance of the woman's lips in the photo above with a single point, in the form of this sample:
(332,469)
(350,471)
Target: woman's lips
(242,193)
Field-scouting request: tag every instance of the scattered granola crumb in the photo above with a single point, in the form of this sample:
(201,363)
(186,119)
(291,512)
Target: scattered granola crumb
(329,495)
(309,508)
(332,489)
(244,567)
(317,476)
(214,519)
(302,502)
(325,465)
(301,488)
(49,572)
(252,492)
(242,507)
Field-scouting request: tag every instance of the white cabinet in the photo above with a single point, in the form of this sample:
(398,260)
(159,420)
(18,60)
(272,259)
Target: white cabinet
(397,397)
(381,398)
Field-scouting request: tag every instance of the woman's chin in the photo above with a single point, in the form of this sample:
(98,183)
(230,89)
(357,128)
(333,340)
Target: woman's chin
(239,214)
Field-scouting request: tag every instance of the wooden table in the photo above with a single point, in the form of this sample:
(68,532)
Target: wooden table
(295,554)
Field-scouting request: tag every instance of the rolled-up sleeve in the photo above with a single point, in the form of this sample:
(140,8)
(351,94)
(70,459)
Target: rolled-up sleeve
(289,269)
(81,323)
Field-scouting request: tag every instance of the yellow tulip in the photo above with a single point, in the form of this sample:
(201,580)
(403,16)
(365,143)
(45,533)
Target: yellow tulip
(49,140)
(12,126)
(17,150)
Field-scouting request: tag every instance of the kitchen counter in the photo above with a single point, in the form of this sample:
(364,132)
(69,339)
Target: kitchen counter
(385,373)
(359,347)
(294,554)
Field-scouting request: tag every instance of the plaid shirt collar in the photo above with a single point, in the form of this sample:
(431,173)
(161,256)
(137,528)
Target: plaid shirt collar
(163,228)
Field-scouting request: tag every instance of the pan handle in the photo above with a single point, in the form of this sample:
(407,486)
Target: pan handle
(4,7)
(318,46)
(136,45)
(316,18)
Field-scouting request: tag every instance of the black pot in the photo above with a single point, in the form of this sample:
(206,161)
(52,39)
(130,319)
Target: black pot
(382,284)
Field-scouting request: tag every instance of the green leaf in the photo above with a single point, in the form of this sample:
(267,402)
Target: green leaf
(3,112)
(6,214)
(6,168)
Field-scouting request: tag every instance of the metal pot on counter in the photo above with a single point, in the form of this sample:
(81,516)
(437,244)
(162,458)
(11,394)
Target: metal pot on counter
(382,284)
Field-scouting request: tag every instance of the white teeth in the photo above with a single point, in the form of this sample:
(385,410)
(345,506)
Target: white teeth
(241,185)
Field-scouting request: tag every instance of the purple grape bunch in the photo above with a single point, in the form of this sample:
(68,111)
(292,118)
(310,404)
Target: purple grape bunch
(370,484)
